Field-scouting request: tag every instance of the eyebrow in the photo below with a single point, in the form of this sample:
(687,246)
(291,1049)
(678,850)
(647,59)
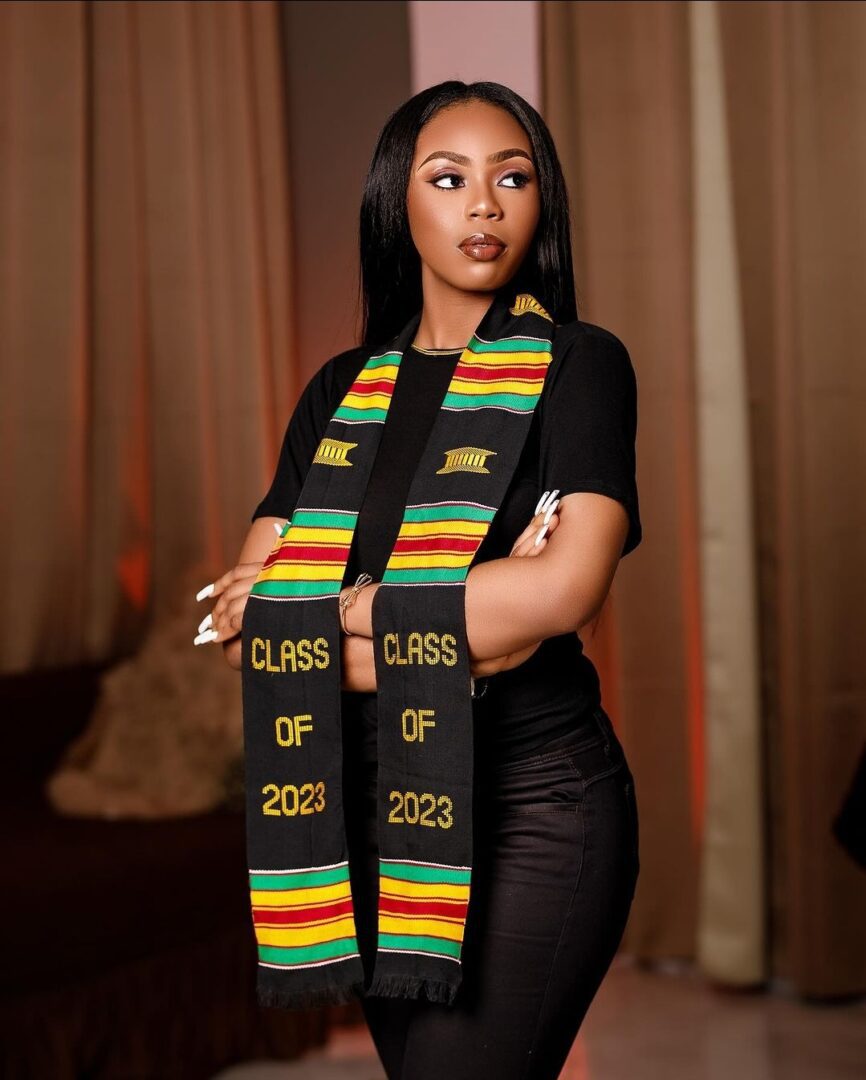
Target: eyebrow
(461,159)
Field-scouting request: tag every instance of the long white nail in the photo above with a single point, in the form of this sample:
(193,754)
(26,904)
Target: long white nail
(206,591)
(550,510)
(540,535)
(541,503)
(208,635)
(205,623)
(278,529)
(551,496)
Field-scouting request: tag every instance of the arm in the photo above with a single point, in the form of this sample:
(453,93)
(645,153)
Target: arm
(514,603)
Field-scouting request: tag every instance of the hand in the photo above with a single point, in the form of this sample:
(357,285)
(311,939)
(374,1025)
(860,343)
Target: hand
(233,589)
(545,515)
(543,523)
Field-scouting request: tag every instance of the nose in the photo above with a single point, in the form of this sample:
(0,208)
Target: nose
(485,205)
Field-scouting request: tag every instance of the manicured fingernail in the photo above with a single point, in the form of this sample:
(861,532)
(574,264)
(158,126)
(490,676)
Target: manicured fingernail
(205,623)
(208,635)
(541,503)
(278,529)
(540,535)
(206,591)
(550,510)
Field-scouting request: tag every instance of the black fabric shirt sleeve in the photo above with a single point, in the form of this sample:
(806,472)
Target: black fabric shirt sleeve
(589,420)
(300,442)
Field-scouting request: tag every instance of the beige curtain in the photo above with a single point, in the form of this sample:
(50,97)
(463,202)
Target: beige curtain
(145,279)
(716,158)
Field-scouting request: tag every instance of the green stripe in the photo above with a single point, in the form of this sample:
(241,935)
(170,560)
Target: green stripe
(509,345)
(520,402)
(408,872)
(344,412)
(383,361)
(438,575)
(305,954)
(316,589)
(420,944)
(306,880)
(314,519)
(460,512)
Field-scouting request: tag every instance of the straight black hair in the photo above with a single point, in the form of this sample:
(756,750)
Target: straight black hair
(390,279)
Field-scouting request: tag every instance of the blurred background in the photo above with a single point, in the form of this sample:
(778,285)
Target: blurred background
(179,194)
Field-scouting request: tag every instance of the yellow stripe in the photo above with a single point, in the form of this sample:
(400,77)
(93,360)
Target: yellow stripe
(385,371)
(287,898)
(423,559)
(447,527)
(293,935)
(366,401)
(396,887)
(498,359)
(435,927)
(307,534)
(496,386)
(303,572)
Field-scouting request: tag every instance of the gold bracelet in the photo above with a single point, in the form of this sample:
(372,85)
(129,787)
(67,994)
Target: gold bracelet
(350,598)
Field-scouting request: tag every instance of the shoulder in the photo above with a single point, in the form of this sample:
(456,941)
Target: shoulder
(334,377)
(589,341)
(588,357)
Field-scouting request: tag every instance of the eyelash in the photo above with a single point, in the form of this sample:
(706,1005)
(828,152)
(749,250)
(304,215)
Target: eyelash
(526,180)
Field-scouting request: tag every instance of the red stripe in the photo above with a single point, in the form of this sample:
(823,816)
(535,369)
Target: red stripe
(422,908)
(520,372)
(309,913)
(380,386)
(457,544)
(311,553)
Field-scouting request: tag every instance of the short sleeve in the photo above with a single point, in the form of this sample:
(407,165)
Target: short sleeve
(589,421)
(303,434)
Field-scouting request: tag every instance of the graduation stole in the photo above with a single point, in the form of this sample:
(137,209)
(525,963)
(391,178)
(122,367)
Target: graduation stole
(299,882)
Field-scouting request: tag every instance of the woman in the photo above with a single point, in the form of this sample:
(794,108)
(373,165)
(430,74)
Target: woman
(465,198)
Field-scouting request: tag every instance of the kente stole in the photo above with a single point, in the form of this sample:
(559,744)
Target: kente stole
(299,881)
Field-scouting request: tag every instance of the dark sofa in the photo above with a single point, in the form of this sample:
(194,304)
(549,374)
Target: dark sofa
(127,947)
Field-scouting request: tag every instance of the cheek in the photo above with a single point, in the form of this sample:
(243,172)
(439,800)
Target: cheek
(430,222)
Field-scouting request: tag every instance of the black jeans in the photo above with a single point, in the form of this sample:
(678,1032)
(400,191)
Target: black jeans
(555,864)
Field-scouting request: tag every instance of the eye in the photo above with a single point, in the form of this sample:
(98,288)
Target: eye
(520,176)
(445,176)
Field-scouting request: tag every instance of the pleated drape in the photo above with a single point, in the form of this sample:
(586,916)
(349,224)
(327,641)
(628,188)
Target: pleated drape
(146,287)
(715,155)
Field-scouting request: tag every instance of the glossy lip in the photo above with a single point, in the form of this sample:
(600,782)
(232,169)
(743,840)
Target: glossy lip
(482,239)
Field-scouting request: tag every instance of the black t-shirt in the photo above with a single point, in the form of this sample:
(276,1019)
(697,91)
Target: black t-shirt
(581,438)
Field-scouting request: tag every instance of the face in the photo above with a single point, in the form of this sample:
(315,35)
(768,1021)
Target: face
(472,172)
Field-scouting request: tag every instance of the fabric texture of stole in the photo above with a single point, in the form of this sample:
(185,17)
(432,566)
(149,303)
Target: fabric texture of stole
(300,891)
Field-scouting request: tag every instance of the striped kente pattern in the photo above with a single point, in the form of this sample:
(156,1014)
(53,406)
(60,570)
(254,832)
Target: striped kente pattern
(303,918)
(422,907)
(368,398)
(437,543)
(507,374)
(309,557)
(308,560)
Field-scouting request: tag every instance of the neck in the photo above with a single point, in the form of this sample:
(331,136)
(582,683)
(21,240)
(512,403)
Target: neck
(449,315)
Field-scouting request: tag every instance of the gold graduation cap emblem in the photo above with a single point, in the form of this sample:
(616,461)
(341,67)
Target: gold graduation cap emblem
(333,452)
(466,459)
(526,302)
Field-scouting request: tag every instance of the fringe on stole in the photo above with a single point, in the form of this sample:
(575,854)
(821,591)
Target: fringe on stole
(413,986)
(271,997)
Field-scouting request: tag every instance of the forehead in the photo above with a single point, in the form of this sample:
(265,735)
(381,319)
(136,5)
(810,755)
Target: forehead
(474,128)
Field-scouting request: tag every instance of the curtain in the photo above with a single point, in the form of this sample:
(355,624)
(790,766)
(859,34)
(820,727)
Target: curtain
(715,155)
(145,276)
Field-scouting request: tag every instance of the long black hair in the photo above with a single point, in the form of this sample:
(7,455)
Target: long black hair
(390,280)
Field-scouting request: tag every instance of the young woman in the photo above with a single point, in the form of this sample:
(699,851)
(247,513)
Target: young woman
(465,198)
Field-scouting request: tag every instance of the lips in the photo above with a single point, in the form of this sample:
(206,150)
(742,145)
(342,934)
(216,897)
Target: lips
(482,240)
